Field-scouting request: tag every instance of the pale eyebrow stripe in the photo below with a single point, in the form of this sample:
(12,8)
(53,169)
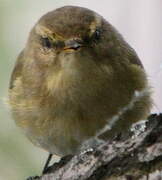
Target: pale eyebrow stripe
(96,23)
(45,32)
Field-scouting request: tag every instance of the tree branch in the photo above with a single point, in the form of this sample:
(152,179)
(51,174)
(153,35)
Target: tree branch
(139,156)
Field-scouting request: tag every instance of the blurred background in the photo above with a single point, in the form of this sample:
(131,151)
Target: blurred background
(140,22)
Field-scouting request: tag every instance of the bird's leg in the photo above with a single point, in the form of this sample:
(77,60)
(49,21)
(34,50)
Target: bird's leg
(47,163)
(33,178)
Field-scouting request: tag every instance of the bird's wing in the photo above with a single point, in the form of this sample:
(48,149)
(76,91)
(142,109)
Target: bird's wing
(17,70)
(133,57)
(135,60)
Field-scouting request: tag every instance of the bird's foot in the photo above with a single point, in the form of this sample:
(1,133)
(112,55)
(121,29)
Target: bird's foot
(33,178)
(87,150)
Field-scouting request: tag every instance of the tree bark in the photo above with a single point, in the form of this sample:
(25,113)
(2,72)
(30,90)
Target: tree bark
(139,156)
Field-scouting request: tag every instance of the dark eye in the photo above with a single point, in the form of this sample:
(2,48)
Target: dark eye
(96,34)
(46,42)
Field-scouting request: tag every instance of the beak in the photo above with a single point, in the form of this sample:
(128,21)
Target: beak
(73,45)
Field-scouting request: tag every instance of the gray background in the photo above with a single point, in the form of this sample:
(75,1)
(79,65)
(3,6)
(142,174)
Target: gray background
(140,22)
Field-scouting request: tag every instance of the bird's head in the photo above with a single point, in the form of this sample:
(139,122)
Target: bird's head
(74,44)
(67,32)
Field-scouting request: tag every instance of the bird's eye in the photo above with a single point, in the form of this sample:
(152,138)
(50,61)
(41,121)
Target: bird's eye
(96,34)
(46,42)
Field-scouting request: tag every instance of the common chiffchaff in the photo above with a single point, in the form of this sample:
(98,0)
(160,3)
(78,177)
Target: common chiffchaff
(74,75)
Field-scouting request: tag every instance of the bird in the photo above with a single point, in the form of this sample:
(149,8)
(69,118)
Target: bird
(74,75)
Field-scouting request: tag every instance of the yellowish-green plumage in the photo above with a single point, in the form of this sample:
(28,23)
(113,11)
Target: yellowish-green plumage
(75,73)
